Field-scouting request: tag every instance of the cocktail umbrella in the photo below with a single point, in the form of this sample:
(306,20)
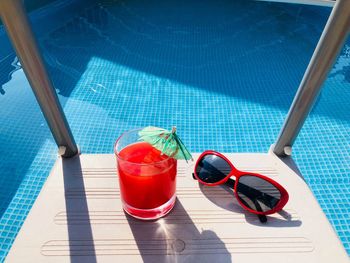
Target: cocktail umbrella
(168,142)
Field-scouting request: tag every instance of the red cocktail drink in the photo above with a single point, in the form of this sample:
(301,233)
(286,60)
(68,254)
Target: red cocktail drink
(147,179)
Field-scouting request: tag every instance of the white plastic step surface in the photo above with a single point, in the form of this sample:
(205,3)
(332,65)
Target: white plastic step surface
(78,217)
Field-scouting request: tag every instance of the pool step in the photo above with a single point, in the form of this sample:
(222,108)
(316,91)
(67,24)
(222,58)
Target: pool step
(78,217)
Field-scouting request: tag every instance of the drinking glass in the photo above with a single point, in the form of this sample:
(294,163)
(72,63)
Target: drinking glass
(147,178)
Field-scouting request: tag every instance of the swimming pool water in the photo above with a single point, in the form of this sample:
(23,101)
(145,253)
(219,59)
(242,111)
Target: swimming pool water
(224,72)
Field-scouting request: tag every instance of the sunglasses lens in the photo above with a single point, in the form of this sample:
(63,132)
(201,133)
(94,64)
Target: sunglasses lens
(257,194)
(212,169)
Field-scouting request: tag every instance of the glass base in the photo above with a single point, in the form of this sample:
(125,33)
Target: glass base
(150,214)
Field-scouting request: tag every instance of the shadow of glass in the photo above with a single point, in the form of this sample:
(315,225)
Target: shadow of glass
(175,238)
(81,240)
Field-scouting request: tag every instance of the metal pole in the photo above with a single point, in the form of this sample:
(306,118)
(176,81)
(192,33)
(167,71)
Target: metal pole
(325,54)
(19,31)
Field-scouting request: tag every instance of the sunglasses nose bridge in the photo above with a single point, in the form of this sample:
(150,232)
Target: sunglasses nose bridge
(236,173)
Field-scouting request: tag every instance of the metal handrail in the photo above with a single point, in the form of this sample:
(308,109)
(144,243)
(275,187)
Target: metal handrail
(20,33)
(330,44)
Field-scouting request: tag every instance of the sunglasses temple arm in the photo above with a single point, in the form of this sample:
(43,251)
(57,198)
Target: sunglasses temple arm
(262,218)
(251,192)
(231,183)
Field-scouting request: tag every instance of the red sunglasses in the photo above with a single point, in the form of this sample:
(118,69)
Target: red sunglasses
(255,192)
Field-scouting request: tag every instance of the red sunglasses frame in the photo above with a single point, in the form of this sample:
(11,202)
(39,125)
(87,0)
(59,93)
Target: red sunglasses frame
(237,174)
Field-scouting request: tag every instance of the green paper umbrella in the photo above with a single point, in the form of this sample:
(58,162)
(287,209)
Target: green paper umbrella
(165,141)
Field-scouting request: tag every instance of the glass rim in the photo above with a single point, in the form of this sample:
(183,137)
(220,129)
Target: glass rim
(134,163)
